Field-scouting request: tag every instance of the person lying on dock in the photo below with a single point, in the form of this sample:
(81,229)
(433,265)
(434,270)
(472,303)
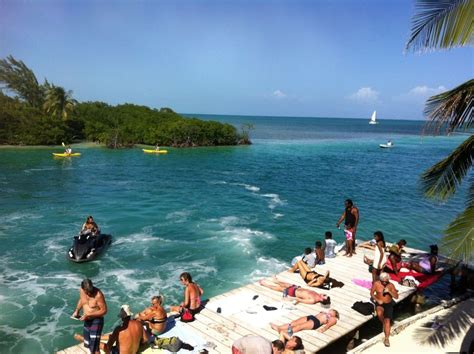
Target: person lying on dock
(154,316)
(192,295)
(125,338)
(428,264)
(322,322)
(382,293)
(310,277)
(305,296)
(291,344)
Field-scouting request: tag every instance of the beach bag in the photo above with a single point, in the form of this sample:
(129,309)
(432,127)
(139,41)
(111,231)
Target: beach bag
(364,308)
(187,316)
(173,344)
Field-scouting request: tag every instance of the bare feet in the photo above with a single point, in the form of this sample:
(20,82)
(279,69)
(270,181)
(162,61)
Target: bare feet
(386,342)
(326,275)
(261,282)
(78,337)
(274,326)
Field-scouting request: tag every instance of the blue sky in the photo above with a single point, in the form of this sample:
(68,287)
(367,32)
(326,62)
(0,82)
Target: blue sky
(288,58)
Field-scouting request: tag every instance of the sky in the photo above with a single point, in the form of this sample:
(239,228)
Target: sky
(321,58)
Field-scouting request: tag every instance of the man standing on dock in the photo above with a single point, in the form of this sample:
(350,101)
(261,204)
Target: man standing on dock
(94,308)
(383,292)
(351,219)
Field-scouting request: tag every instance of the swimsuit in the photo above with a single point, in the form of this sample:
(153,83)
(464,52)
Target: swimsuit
(316,322)
(425,263)
(291,291)
(92,331)
(387,309)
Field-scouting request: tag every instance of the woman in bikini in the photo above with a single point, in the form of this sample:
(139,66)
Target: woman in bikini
(322,322)
(154,316)
(192,295)
(310,277)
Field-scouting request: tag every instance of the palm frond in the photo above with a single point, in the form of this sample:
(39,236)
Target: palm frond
(441,180)
(452,109)
(458,239)
(441,24)
(453,323)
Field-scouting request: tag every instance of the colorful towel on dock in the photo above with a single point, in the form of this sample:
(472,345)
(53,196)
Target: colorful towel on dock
(363,283)
(424,279)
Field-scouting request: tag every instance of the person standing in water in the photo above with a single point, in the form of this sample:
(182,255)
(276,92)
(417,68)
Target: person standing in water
(93,305)
(351,218)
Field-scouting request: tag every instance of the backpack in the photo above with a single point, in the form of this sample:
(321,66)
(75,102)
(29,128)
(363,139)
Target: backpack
(173,344)
(364,308)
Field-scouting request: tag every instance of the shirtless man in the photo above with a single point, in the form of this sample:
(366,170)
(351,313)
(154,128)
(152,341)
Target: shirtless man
(154,316)
(328,319)
(94,308)
(305,296)
(383,292)
(127,337)
(351,218)
(192,295)
(310,277)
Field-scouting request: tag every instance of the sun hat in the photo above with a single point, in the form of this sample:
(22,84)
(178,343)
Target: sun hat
(394,249)
(125,312)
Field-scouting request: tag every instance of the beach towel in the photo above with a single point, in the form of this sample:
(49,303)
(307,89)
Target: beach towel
(367,284)
(424,279)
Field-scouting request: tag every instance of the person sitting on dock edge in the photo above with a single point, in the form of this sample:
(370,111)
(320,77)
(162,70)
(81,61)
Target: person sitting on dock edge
(125,338)
(382,293)
(154,316)
(310,277)
(192,295)
(305,296)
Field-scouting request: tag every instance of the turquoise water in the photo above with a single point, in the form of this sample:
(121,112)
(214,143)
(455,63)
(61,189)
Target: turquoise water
(228,215)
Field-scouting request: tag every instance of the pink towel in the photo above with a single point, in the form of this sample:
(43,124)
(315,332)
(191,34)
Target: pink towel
(363,283)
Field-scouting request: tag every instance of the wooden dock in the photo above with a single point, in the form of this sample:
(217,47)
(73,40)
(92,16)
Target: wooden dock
(220,330)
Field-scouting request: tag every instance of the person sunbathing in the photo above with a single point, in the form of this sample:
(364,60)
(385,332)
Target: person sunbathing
(428,263)
(305,296)
(310,277)
(322,322)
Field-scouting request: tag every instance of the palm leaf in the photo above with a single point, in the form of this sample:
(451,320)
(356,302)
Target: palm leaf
(453,109)
(458,239)
(441,24)
(441,180)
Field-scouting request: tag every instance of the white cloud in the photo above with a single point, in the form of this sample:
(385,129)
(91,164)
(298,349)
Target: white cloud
(365,95)
(279,94)
(426,91)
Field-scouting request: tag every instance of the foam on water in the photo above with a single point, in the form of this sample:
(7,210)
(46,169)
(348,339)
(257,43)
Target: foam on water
(274,200)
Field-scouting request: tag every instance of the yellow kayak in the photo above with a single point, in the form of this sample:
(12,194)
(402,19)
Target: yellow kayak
(148,151)
(63,154)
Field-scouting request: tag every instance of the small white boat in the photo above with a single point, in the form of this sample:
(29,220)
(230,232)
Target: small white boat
(388,145)
(373,119)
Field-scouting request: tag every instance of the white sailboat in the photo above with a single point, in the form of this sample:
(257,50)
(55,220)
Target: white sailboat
(373,119)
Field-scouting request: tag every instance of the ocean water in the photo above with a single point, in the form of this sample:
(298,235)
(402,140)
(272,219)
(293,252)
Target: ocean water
(227,215)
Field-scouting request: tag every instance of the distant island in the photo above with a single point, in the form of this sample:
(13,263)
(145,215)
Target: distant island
(46,114)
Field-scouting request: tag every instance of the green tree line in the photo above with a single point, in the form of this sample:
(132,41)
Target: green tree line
(44,114)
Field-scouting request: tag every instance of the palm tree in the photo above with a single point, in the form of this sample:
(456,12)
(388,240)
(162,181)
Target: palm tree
(444,24)
(59,102)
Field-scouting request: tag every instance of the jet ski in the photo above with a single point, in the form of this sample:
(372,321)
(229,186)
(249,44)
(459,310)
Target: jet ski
(88,246)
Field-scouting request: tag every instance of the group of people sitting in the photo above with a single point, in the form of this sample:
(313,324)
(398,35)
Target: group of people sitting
(144,327)
(389,259)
